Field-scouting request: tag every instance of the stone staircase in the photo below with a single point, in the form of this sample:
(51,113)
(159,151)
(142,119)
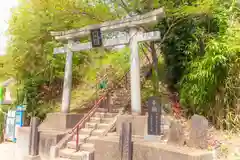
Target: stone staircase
(94,128)
(100,122)
(122,95)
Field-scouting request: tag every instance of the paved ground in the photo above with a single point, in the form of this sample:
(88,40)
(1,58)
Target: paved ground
(7,151)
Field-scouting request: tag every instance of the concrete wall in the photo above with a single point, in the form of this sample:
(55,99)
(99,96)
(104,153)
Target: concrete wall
(52,130)
(139,124)
(22,144)
(143,150)
(60,121)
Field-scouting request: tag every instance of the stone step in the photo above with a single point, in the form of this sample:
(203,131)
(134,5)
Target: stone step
(102,110)
(86,131)
(100,120)
(92,125)
(66,153)
(81,137)
(59,158)
(87,147)
(95,120)
(92,139)
(73,155)
(100,114)
(102,125)
(113,134)
(98,132)
(116,110)
(106,120)
(72,144)
(105,115)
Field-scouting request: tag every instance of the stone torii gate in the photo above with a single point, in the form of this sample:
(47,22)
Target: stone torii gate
(132,38)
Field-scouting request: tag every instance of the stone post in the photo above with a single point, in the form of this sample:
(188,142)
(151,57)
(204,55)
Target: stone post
(34,137)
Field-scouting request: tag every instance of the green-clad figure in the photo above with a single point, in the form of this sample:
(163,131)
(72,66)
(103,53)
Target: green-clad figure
(103,84)
(1,95)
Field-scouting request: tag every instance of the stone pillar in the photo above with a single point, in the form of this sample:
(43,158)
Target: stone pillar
(67,87)
(135,73)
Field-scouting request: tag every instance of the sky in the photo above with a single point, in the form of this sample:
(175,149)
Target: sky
(5,14)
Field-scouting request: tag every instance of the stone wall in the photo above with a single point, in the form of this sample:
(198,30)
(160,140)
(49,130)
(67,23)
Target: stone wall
(143,150)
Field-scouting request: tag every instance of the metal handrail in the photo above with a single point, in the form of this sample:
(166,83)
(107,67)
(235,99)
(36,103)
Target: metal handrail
(81,123)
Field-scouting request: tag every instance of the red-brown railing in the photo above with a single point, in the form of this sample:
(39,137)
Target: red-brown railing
(81,123)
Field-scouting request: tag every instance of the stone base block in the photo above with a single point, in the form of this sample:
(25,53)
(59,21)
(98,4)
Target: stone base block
(139,124)
(60,121)
(143,150)
(32,158)
(22,143)
(47,140)
(53,129)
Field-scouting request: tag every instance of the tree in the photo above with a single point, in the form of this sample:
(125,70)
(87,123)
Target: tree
(30,47)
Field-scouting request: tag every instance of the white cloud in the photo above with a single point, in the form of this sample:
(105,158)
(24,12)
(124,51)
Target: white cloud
(5,14)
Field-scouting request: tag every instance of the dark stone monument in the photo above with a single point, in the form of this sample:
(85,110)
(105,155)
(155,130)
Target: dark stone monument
(125,143)
(96,38)
(154,116)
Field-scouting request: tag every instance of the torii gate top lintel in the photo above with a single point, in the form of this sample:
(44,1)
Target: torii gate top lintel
(148,19)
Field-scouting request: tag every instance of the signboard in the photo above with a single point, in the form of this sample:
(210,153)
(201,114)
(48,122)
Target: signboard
(10,125)
(96,37)
(154,116)
(20,115)
(125,143)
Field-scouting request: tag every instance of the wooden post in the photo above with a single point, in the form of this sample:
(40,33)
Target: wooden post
(125,142)
(34,137)
(108,103)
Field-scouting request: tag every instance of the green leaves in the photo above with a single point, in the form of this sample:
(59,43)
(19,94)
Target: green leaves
(207,76)
(30,49)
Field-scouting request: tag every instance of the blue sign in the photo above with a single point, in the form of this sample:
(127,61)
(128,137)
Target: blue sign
(20,116)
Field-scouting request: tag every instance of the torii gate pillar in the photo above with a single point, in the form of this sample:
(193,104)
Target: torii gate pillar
(67,86)
(135,73)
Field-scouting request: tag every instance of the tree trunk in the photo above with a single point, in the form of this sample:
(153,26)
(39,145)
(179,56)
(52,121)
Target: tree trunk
(155,68)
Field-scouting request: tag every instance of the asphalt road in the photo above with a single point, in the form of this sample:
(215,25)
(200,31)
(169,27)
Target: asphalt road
(8,151)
